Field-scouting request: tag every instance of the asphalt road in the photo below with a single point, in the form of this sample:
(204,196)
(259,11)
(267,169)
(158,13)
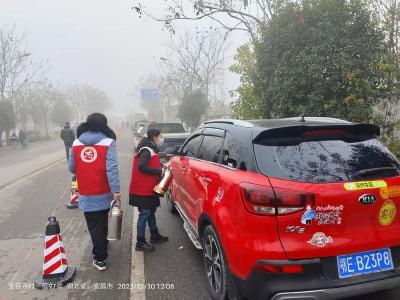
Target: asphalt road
(173,271)
(25,206)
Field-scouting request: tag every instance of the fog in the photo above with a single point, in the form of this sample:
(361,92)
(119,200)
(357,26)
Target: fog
(101,43)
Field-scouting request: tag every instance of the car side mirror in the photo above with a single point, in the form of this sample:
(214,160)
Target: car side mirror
(170,152)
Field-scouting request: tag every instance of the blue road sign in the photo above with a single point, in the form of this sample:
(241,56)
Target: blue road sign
(149,95)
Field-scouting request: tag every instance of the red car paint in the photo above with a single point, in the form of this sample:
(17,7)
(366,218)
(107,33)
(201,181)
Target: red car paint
(205,188)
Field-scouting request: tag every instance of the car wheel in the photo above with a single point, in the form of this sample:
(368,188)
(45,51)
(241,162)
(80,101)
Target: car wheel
(170,203)
(214,265)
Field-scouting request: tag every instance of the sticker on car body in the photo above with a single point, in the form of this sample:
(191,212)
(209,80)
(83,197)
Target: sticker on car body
(323,215)
(320,239)
(363,185)
(390,192)
(387,213)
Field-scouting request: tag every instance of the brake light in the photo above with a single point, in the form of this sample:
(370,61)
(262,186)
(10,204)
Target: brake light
(289,201)
(325,132)
(258,199)
(279,269)
(262,200)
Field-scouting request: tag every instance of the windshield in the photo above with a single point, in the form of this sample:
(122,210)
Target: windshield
(327,161)
(169,127)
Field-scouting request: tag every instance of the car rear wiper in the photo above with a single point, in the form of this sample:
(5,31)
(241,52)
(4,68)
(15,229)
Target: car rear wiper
(376,170)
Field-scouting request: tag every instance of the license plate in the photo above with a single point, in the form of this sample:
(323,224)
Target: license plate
(364,262)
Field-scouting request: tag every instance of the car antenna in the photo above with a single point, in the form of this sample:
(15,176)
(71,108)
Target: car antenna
(302,119)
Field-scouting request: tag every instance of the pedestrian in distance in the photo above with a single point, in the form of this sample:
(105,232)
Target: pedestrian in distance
(13,140)
(23,138)
(146,173)
(68,136)
(93,159)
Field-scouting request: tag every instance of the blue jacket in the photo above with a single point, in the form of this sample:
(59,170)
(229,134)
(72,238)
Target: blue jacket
(103,201)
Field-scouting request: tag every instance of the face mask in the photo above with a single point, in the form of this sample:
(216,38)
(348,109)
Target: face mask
(160,142)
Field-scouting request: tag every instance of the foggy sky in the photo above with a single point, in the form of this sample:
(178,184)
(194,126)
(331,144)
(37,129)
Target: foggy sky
(102,43)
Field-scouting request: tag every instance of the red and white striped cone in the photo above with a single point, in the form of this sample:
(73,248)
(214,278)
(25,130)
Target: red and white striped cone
(56,272)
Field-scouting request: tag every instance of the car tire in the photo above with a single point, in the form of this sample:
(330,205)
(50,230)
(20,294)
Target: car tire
(214,264)
(170,202)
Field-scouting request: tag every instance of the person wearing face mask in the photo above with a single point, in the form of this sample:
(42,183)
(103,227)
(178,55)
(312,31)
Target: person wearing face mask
(146,173)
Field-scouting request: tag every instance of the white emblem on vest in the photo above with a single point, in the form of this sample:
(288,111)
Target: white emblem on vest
(88,154)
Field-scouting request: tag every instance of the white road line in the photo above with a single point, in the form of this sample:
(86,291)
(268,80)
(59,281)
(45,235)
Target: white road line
(29,175)
(137,292)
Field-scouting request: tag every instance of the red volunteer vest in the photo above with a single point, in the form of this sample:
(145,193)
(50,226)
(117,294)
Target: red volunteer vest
(142,184)
(90,167)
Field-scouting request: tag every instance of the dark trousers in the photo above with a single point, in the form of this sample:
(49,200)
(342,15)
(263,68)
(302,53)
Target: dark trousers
(146,216)
(67,151)
(97,223)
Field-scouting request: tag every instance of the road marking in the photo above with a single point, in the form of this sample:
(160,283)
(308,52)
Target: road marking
(30,174)
(137,292)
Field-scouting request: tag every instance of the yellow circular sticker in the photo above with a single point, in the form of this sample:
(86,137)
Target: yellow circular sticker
(384,193)
(387,213)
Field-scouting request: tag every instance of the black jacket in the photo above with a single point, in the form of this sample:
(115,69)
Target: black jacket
(144,157)
(85,127)
(68,136)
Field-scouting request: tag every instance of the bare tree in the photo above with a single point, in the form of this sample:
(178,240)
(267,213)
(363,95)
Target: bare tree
(85,99)
(242,15)
(14,63)
(192,65)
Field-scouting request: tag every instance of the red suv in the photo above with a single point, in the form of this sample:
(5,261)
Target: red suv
(292,208)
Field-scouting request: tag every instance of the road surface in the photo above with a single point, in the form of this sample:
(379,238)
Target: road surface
(35,185)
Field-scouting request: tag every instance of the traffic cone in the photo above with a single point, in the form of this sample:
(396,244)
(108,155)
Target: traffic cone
(73,203)
(56,272)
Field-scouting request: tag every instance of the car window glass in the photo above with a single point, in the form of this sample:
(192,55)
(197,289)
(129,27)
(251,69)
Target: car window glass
(230,152)
(327,161)
(210,149)
(192,146)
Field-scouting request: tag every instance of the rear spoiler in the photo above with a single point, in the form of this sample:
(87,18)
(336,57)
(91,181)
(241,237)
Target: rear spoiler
(298,131)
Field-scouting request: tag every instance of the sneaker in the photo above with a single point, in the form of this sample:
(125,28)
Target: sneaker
(144,246)
(158,238)
(100,265)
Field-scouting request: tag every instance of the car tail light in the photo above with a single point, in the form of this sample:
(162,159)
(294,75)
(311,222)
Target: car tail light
(258,199)
(279,269)
(289,201)
(263,200)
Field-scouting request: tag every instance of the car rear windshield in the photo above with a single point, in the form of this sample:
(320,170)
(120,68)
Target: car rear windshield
(168,127)
(326,160)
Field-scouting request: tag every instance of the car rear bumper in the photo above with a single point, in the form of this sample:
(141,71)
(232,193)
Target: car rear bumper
(319,280)
(342,292)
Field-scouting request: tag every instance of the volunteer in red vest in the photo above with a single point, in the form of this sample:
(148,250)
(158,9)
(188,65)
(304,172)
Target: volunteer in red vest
(146,173)
(93,159)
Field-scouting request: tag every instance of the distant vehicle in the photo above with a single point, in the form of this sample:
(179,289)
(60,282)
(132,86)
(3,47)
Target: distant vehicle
(166,127)
(300,208)
(139,130)
(172,140)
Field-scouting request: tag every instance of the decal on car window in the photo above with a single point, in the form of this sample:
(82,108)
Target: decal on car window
(319,239)
(387,213)
(362,185)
